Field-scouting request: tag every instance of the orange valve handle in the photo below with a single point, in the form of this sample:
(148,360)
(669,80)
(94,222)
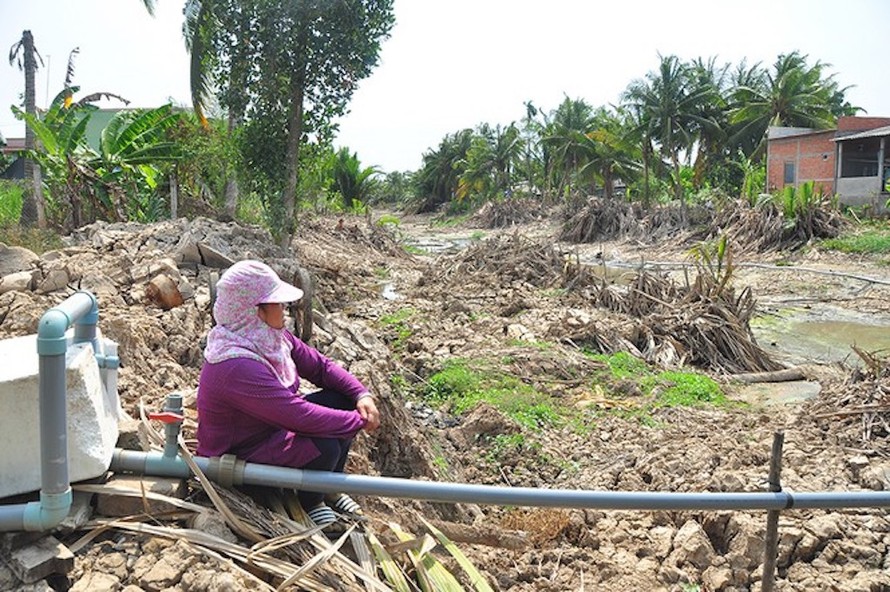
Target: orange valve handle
(166,416)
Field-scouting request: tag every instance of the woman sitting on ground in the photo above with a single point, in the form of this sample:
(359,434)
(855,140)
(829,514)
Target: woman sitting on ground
(249,402)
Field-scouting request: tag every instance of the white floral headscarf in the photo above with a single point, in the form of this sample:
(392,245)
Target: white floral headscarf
(239,332)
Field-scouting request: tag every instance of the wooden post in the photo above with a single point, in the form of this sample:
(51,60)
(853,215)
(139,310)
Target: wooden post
(771,540)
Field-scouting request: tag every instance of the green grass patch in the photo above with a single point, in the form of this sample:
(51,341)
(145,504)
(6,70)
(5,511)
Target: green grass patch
(397,326)
(684,389)
(412,250)
(462,384)
(506,445)
(667,388)
(33,239)
(868,240)
(11,196)
(622,364)
(388,220)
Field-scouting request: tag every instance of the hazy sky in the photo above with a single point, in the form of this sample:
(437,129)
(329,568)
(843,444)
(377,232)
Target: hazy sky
(452,64)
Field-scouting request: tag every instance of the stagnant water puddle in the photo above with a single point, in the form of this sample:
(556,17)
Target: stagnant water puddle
(819,333)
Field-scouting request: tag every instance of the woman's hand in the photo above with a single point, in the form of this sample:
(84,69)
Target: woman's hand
(368,410)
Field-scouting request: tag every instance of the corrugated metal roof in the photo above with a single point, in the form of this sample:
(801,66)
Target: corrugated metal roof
(872,133)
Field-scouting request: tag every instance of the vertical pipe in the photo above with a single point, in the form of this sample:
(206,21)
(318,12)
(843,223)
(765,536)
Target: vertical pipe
(171,429)
(771,540)
(53,424)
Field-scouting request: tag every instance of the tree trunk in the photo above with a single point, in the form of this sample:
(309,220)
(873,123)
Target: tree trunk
(294,137)
(230,206)
(174,195)
(32,205)
(646,175)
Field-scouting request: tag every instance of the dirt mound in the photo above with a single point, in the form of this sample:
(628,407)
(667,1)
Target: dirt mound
(529,309)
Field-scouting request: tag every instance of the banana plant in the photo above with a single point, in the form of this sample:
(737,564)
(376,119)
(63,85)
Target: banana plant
(121,178)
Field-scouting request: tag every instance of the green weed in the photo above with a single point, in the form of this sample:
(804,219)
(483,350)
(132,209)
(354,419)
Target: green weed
(461,387)
(388,220)
(668,388)
(11,195)
(869,240)
(397,323)
(33,239)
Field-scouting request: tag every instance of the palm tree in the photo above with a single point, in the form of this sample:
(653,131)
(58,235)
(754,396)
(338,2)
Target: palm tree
(791,94)
(438,177)
(610,156)
(671,100)
(25,54)
(639,127)
(354,183)
(564,135)
(713,116)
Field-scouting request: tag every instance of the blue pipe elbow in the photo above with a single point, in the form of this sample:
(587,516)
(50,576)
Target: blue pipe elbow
(51,333)
(48,512)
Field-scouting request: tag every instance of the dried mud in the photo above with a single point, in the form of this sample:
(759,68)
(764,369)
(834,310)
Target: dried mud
(503,309)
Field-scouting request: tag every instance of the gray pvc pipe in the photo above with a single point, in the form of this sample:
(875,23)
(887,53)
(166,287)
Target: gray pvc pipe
(153,463)
(82,310)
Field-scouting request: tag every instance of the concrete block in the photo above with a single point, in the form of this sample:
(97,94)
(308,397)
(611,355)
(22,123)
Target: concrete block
(109,504)
(92,410)
(43,558)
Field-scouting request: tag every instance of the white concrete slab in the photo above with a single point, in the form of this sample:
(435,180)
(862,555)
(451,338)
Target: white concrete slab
(92,415)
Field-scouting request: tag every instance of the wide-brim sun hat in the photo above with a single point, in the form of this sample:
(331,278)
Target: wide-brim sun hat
(253,282)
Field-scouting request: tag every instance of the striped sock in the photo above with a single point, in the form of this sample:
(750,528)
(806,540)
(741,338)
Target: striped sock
(346,505)
(322,515)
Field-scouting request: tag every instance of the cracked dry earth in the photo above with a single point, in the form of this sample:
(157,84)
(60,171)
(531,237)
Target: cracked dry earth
(363,275)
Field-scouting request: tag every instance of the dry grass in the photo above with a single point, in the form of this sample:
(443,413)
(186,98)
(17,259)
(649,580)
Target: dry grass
(542,524)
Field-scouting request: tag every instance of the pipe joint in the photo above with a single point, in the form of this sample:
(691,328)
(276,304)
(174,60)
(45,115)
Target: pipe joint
(108,361)
(48,512)
(51,340)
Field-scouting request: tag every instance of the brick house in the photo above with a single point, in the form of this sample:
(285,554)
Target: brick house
(852,161)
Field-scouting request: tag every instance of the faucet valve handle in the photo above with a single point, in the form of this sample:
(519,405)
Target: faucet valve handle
(167,417)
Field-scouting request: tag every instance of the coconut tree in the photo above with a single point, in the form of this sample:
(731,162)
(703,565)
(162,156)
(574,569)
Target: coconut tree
(638,126)
(25,55)
(671,101)
(564,136)
(354,182)
(608,153)
(439,175)
(793,93)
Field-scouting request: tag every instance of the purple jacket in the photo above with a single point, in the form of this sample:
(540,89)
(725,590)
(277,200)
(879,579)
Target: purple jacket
(244,410)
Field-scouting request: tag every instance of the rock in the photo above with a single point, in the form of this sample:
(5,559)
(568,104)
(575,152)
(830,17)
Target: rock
(167,570)
(55,279)
(20,281)
(96,582)
(163,292)
(15,259)
(856,464)
(519,332)
(876,477)
(213,523)
(716,578)
(40,559)
(692,546)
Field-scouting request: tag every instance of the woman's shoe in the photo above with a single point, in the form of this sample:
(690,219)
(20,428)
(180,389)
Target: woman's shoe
(345,505)
(322,516)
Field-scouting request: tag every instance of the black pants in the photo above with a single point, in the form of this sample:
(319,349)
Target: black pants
(333,450)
